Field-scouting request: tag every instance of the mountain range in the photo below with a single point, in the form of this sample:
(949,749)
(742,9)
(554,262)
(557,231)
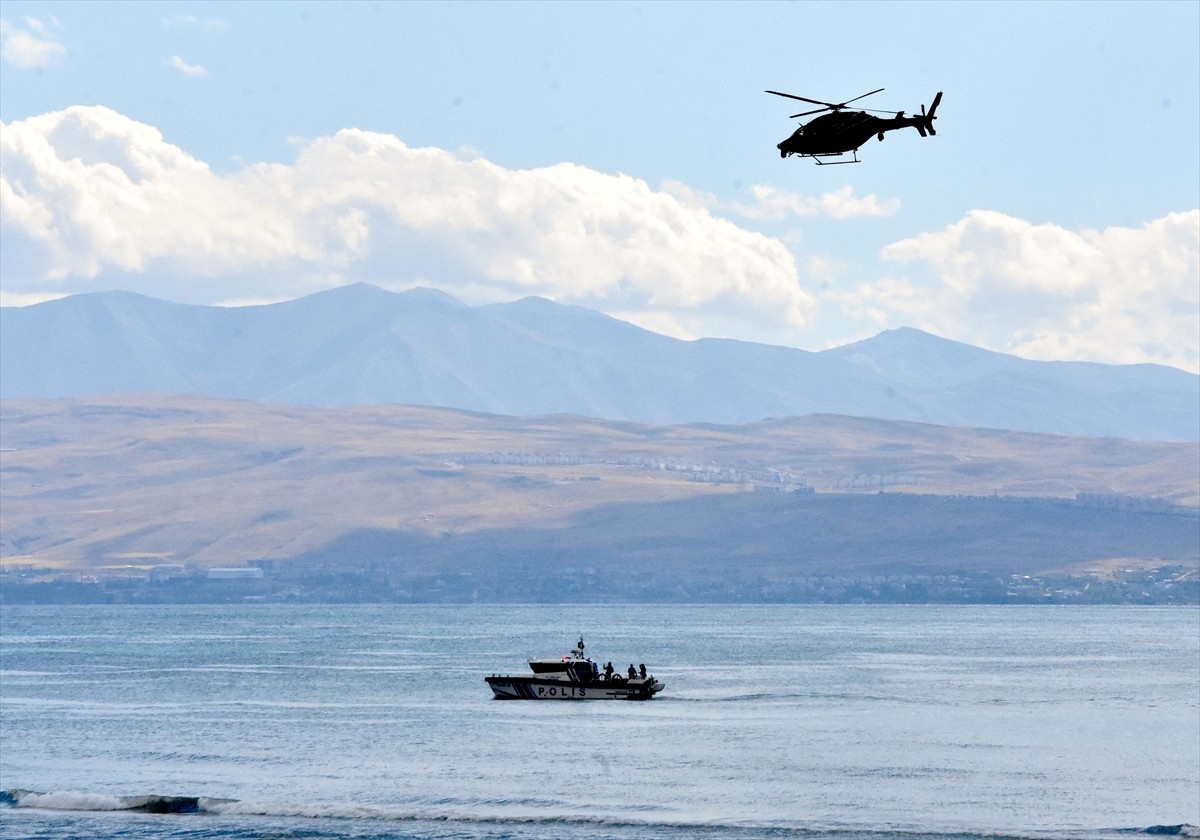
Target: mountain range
(360,345)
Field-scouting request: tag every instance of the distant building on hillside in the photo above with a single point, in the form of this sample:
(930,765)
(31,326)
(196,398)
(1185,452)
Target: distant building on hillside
(242,573)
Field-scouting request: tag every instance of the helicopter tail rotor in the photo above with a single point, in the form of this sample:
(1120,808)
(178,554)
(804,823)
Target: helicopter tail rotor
(925,126)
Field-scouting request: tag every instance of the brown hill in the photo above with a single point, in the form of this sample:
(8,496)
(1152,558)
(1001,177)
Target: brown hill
(139,481)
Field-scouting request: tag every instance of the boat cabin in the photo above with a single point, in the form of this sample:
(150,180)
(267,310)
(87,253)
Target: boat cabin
(573,666)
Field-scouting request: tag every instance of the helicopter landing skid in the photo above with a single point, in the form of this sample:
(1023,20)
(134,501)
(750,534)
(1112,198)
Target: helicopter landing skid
(819,162)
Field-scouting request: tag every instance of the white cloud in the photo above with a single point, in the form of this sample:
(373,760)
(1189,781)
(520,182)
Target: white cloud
(194,70)
(1119,295)
(90,199)
(93,199)
(31,46)
(18,299)
(771,203)
(190,21)
(690,196)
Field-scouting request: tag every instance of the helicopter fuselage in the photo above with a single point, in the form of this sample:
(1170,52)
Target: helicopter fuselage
(841,132)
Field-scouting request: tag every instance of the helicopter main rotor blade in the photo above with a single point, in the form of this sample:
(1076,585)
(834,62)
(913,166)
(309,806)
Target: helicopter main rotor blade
(802,98)
(828,106)
(806,113)
(855,99)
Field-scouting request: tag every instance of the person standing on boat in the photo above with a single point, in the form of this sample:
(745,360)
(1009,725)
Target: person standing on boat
(608,671)
(632,672)
(642,670)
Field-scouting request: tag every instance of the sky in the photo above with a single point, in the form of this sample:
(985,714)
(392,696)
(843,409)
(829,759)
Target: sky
(621,156)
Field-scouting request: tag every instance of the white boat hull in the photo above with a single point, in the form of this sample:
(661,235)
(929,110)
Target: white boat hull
(534,688)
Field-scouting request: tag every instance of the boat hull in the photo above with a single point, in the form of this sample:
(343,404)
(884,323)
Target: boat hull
(534,688)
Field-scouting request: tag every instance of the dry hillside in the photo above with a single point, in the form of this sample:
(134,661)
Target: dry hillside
(142,480)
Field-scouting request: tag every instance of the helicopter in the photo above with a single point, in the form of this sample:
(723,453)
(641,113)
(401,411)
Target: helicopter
(836,133)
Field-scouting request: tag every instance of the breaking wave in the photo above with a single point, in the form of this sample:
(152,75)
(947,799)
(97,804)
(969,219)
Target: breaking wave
(160,804)
(76,801)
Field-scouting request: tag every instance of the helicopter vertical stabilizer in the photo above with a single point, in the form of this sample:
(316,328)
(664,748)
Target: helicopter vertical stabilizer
(925,126)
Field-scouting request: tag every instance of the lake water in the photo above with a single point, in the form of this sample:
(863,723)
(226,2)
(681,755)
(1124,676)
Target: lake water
(776,721)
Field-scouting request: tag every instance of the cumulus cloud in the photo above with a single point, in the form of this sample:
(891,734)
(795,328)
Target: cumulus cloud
(32,45)
(1119,295)
(194,70)
(772,203)
(92,199)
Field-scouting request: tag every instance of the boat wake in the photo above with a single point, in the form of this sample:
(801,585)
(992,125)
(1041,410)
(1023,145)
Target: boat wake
(160,804)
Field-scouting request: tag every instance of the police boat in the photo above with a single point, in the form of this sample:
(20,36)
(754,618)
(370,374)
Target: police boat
(574,677)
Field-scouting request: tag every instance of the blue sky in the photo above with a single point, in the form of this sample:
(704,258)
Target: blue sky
(622,156)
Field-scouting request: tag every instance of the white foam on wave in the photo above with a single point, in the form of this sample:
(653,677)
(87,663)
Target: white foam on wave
(69,800)
(80,801)
(245,807)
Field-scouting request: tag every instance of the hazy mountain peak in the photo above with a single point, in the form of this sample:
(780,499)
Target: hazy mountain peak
(359,344)
(567,321)
(910,340)
(370,294)
(914,356)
